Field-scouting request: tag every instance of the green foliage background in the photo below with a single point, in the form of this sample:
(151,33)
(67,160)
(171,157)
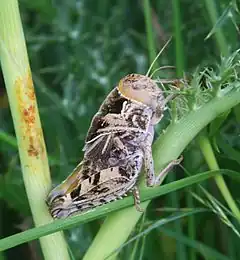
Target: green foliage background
(78,52)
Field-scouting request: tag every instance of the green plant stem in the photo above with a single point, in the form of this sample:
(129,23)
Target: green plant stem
(210,158)
(179,54)
(137,242)
(22,100)
(143,245)
(191,228)
(177,25)
(219,35)
(152,51)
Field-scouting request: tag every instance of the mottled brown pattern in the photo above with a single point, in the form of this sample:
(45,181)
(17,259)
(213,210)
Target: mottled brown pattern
(117,144)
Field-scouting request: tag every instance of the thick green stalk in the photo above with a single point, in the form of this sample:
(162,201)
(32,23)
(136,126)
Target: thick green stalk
(210,158)
(22,100)
(118,226)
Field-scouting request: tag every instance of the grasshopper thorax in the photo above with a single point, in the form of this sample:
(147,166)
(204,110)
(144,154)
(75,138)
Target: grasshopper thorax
(140,88)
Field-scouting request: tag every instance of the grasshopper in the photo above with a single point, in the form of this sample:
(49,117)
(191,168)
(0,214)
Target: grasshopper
(118,143)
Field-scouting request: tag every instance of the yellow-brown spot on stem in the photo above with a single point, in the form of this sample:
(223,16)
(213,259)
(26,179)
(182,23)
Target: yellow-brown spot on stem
(32,134)
(32,151)
(29,86)
(29,114)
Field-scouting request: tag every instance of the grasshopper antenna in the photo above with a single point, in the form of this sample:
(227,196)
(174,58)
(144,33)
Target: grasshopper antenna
(161,68)
(160,52)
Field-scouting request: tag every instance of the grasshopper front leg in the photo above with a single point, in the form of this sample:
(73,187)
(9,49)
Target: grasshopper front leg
(151,178)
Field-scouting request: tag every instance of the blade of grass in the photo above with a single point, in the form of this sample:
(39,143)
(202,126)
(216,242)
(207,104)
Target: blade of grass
(141,254)
(158,224)
(5,137)
(206,251)
(219,35)
(99,212)
(221,20)
(179,51)
(174,202)
(191,228)
(22,100)
(210,158)
(152,51)
(136,245)
(228,149)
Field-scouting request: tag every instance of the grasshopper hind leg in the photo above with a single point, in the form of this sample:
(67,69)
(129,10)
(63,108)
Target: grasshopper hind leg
(159,179)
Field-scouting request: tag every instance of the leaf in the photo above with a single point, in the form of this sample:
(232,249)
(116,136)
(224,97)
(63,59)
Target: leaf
(147,194)
(206,251)
(157,224)
(5,137)
(228,150)
(222,20)
(217,123)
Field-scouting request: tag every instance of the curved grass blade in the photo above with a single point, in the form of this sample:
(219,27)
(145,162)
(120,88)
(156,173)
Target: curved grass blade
(147,194)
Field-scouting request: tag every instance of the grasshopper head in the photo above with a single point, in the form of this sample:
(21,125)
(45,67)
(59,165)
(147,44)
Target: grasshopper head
(143,89)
